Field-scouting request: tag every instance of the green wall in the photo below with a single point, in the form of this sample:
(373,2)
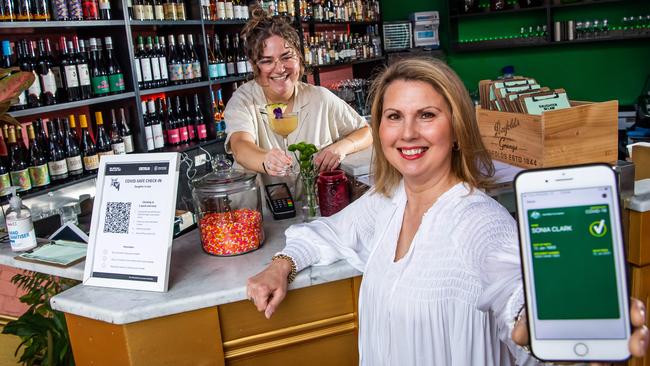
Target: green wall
(591,72)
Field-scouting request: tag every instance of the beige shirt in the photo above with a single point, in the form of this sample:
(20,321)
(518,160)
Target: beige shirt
(323,118)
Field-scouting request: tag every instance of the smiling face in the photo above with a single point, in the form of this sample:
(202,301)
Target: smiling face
(279,69)
(415,132)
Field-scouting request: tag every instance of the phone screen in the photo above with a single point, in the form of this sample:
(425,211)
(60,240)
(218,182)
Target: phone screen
(573,259)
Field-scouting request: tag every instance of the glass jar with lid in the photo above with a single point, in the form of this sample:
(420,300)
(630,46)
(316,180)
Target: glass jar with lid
(228,208)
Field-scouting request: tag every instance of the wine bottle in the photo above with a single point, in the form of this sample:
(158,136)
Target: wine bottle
(71,88)
(8,11)
(199,121)
(7,62)
(158,10)
(145,64)
(180,10)
(39,132)
(196,64)
(219,116)
(75,10)
(237,9)
(46,73)
(155,64)
(156,124)
(28,63)
(38,172)
(103,142)
(90,9)
(83,72)
(73,128)
(230,58)
(221,60)
(170,10)
(98,75)
(175,67)
(105,10)
(148,10)
(213,72)
(117,142)
(186,60)
(173,136)
(5,179)
(72,151)
(159,47)
(88,149)
(241,57)
(229,10)
(41,10)
(189,122)
(148,131)
(18,168)
(125,133)
(56,155)
(181,121)
(25,10)
(221,10)
(115,75)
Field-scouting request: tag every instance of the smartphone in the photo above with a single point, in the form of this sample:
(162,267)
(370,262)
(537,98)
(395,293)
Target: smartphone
(280,202)
(573,263)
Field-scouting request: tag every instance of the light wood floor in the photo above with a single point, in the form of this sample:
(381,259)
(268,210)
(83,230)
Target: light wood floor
(8,344)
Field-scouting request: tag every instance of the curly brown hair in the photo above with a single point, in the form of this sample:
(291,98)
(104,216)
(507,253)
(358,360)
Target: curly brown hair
(260,27)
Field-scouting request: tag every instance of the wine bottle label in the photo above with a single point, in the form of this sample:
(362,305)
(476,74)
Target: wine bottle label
(90,9)
(20,178)
(138,12)
(184,135)
(175,72)
(39,175)
(118,148)
(230,13)
(57,76)
(91,162)
(162,63)
(188,71)
(202,132)
(180,11)
(49,83)
(196,69)
(22,99)
(60,10)
(74,164)
(148,134)
(238,12)
(148,12)
(145,64)
(170,11)
(104,153)
(230,68)
(71,79)
(249,66)
(116,83)
(173,136)
(84,75)
(244,11)
(213,71)
(155,68)
(159,12)
(158,139)
(100,85)
(128,143)
(57,168)
(5,182)
(191,133)
(21,234)
(241,67)
(104,5)
(75,9)
(221,10)
(221,69)
(138,70)
(35,88)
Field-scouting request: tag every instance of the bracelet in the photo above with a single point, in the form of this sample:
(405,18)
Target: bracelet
(264,167)
(292,275)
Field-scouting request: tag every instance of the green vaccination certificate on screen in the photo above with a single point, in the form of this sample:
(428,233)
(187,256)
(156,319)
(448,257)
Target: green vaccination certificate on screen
(573,263)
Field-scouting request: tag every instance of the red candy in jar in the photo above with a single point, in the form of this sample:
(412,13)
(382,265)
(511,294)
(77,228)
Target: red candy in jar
(333,192)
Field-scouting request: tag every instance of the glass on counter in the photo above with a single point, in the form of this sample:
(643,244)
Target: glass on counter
(229,210)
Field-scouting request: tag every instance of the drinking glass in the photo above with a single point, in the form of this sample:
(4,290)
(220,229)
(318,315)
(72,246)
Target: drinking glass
(283,126)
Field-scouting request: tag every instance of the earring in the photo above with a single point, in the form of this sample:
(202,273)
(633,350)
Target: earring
(455,146)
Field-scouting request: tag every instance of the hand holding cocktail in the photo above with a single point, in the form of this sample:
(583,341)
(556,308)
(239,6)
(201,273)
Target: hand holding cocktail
(279,162)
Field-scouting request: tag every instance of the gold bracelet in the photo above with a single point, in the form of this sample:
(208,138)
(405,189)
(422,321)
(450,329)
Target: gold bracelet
(292,275)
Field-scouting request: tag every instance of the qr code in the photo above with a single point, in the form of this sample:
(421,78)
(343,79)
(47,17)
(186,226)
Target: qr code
(118,215)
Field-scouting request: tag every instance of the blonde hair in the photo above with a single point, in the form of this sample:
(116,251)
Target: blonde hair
(261,27)
(470,161)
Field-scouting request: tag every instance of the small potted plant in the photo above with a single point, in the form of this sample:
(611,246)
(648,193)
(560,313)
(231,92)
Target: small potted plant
(304,153)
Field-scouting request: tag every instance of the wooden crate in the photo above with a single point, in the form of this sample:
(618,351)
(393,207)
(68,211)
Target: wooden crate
(584,133)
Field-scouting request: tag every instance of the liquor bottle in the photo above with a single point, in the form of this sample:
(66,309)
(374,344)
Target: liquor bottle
(88,149)
(45,69)
(117,142)
(156,124)
(7,62)
(18,168)
(142,57)
(196,64)
(7,11)
(221,60)
(221,10)
(174,66)
(56,155)
(70,80)
(186,60)
(115,75)
(229,10)
(282,8)
(75,10)
(219,115)
(148,10)
(213,10)
(25,10)
(199,121)
(39,133)
(213,72)
(205,9)
(189,122)
(98,75)
(105,10)
(148,131)
(138,10)
(249,65)
(90,9)
(158,10)
(230,58)
(155,64)
(241,57)
(38,172)
(173,136)
(159,48)
(180,10)
(60,10)
(72,151)
(125,133)
(245,11)
(83,72)
(41,10)
(170,10)
(102,141)
(181,121)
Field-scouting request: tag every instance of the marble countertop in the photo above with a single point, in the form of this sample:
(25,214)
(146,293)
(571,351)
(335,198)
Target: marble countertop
(197,280)
(8,258)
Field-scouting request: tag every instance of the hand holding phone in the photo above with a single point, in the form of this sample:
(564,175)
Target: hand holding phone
(573,263)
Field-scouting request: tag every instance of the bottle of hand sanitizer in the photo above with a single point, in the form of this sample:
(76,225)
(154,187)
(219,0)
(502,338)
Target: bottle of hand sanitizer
(19,224)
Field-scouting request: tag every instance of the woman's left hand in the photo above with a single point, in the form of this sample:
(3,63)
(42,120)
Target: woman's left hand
(329,158)
(638,340)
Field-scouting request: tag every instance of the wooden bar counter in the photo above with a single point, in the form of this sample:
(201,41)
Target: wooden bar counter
(205,319)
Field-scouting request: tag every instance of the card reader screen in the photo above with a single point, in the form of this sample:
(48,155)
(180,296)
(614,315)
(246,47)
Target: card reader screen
(278,192)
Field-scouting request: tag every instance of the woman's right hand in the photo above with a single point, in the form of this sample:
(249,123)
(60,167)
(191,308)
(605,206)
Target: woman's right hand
(268,288)
(277,162)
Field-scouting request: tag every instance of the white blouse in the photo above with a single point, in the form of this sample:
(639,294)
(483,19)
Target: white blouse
(451,300)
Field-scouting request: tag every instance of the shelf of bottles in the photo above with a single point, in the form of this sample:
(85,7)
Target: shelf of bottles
(56,13)
(323,49)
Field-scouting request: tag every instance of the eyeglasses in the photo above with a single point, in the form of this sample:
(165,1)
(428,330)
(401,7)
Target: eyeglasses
(268,64)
